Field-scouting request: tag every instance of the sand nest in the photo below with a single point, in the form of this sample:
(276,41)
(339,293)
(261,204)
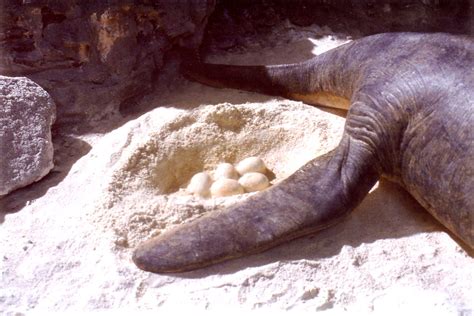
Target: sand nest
(146,192)
(360,265)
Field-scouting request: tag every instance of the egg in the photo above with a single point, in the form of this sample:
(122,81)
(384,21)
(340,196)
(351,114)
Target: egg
(200,184)
(225,170)
(251,164)
(226,187)
(254,181)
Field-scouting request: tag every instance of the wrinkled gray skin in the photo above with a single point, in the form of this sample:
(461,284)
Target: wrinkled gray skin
(411,119)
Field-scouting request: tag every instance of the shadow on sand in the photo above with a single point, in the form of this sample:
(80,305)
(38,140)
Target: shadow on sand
(67,150)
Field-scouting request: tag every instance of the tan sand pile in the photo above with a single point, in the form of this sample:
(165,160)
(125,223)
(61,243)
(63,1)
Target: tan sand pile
(146,191)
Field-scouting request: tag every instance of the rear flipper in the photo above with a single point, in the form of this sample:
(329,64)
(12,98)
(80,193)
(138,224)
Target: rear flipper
(316,196)
(276,80)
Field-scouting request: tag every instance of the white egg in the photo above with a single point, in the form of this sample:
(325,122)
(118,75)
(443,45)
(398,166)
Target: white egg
(226,187)
(254,181)
(225,170)
(200,184)
(251,164)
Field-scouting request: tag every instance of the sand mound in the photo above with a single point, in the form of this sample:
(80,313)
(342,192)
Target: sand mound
(146,191)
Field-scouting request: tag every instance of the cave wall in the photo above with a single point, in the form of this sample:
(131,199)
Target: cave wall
(93,56)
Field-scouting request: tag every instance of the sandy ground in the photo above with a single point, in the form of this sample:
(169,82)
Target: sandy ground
(67,240)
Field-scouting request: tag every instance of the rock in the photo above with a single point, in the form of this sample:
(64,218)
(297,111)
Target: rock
(225,170)
(95,57)
(254,181)
(251,164)
(226,187)
(26,115)
(200,184)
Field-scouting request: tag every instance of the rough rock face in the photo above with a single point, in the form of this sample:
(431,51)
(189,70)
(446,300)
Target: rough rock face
(26,115)
(94,56)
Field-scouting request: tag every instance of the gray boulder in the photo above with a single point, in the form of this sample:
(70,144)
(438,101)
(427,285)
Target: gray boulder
(26,150)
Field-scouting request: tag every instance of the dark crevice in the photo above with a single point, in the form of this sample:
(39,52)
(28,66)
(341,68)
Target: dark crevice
(50,17)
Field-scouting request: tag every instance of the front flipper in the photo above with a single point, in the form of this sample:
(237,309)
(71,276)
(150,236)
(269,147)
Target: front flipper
(316,196)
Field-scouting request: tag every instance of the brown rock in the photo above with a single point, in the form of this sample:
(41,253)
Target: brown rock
(94,57)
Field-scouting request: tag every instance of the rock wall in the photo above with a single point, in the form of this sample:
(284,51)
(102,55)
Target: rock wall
(93,56)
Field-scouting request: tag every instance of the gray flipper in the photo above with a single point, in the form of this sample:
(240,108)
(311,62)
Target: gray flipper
(315,197)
